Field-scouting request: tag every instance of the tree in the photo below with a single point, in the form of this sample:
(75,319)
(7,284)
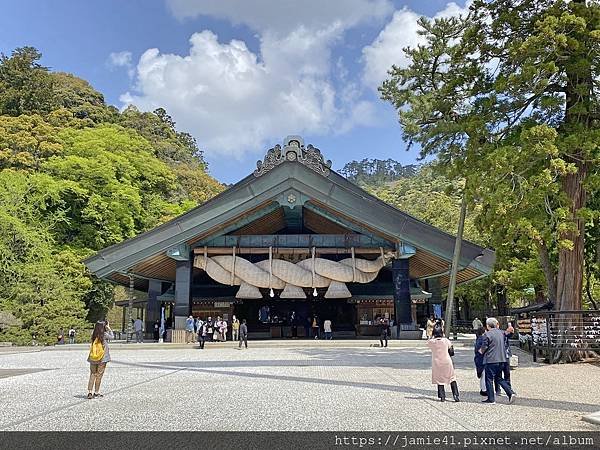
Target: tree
(528,69)
(26,87)
(27,141)
(376,171)
(41,285)
(546,88)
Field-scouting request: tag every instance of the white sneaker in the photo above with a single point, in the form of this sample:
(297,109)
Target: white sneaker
(512,399)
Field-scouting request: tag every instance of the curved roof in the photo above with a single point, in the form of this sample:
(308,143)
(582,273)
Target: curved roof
(304,173)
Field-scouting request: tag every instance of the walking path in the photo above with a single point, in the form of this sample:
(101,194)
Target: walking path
(282,385)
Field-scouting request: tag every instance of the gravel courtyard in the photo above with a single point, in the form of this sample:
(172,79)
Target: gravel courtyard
(302,385)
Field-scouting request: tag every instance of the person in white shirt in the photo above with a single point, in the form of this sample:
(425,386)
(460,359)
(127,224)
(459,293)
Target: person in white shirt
(138,327)
(327,329)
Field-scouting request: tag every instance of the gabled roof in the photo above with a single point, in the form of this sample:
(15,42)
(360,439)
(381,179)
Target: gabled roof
(304,173)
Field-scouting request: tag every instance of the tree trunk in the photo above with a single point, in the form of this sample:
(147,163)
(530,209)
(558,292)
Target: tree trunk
(570,261)
(577,122)
(501,299)
(549,273)
(588,290)
(450,315)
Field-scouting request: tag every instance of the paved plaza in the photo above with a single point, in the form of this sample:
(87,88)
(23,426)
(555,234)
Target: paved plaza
(284,385)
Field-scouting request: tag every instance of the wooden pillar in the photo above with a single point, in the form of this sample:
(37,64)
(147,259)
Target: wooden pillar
(401,280)
(153,307)
(183,288)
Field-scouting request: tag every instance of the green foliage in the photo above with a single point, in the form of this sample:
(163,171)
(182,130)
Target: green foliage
(26,141)
(375,172)
(25,85)
(41,285)
(507,99)
(76,175)
(430,197)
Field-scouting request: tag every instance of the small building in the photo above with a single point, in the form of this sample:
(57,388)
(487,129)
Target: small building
(291,242)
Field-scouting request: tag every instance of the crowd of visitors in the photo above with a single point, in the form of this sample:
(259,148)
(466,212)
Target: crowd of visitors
(492,350)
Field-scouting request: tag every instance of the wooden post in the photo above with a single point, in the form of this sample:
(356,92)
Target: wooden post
(130,308)
(450,315)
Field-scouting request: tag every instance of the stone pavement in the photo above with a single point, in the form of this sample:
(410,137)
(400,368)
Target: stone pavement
(282,385)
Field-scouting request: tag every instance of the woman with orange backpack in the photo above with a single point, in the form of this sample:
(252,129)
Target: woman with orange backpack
(98,356)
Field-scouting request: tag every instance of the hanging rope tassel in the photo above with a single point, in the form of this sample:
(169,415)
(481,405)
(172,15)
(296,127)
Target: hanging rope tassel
(270,269)
(233,267)
(353,266)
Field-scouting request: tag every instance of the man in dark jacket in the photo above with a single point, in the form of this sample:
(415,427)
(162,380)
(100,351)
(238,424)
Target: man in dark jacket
(243,334)
(494,357)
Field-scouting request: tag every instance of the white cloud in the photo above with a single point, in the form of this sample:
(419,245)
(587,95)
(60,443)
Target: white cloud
(283,16)
(399,33)
(235,101)
(120,59)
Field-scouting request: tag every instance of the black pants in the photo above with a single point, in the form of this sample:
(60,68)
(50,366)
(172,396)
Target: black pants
(505,374)
(493,373)
(244,339)
(201,340)
(383,337)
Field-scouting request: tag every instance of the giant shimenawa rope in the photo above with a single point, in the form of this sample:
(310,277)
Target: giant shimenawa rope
(348,270)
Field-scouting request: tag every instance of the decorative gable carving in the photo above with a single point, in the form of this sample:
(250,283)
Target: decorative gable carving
(294,150)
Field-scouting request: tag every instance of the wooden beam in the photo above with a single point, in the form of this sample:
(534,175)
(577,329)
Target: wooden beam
(286,251)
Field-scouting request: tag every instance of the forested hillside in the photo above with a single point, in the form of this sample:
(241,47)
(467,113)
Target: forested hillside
(77,175)
(425,193)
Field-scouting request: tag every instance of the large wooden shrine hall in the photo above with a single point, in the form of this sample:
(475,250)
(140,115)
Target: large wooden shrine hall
(292,241)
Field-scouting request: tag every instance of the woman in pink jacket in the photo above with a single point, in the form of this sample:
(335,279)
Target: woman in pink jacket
(442,369)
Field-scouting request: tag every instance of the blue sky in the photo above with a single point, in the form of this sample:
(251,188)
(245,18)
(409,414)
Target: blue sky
(238,75)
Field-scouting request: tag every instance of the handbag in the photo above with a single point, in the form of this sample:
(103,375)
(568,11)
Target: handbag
(451,350)
(96,351)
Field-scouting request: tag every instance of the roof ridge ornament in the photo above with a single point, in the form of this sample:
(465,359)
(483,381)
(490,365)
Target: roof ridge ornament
(294,150)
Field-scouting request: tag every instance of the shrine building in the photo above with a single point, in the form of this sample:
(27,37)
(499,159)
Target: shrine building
(292,241)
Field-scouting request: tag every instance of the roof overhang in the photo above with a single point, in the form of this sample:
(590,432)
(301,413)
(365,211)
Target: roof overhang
(327,194)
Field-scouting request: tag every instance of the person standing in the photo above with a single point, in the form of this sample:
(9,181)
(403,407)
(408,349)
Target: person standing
(327,329)
(72,335)
(138,327)
(235,329)
(99,356)
(478,360)
(477,324)
(60,338)
(506,365)
(209,329)
(429,327)
(202,331)
(189,330)
(156,332)
(384,331)
(223,330)
(442,368)
(494,356)
(315,327)
(243,334)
